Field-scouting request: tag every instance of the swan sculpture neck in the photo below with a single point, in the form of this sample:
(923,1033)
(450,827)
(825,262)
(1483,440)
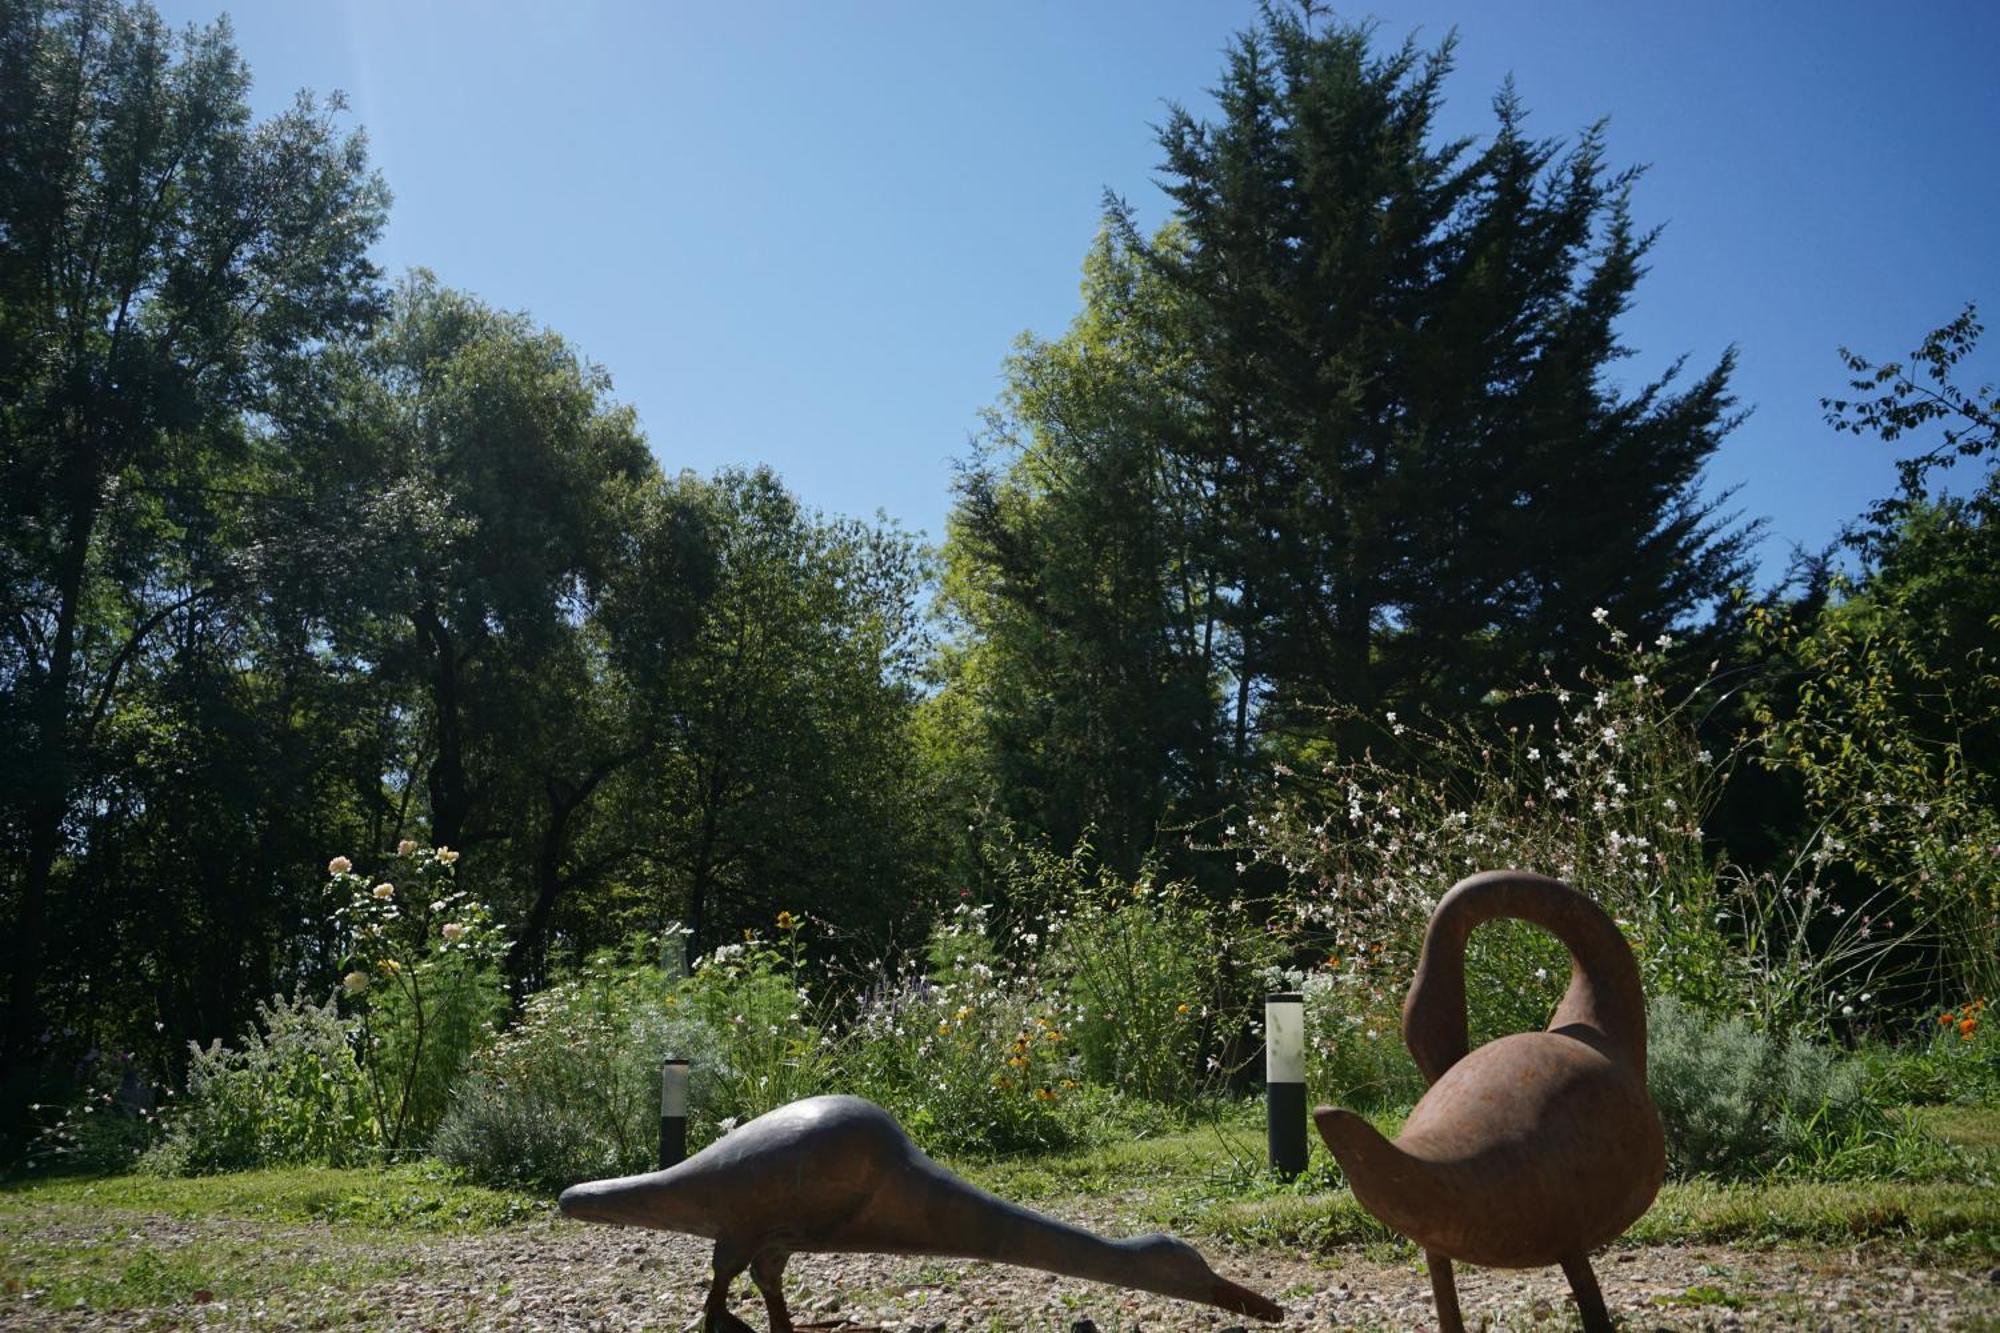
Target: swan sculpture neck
(1603,1005)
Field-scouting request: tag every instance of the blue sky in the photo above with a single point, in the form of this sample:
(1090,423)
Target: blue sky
(806,234)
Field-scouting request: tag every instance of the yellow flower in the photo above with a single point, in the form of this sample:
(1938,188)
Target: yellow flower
(406,846)
(943,1028)
(1180,1009)
(1052,1035)
(1002,1081)
(389,967)
(339,865)
(385,891)
(787,921)
(964,1012)
(1045,1094)
(446,856)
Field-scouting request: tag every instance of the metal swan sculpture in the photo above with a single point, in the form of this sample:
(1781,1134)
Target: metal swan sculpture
(838,1174)
(1537,1147)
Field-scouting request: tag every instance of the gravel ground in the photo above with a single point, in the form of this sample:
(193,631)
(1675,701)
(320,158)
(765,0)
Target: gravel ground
(562,1275)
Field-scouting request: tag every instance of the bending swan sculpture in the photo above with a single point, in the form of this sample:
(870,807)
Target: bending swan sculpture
(838,1174)
(1535,1148)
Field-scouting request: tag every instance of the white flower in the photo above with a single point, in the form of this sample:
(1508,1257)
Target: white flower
(453,930)
(446,856)
(355,982)
(1598,614)
(1533,754)
(1541,974)
(1031,939)
(339,865)
(1639,680)
(726,1124)
(406,846)
(1665,641)
(385,891)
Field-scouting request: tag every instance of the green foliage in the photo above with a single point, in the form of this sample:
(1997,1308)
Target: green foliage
(1340,435)
(1954,1060)
(1737,1102)
(572,1090)
(290,1094)
(165,259)
(772,1045)
(105,1126)
(424,977)
(975,1056)
(1608,794)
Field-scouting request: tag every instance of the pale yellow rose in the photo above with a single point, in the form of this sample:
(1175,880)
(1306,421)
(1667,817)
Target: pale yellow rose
(453,930)
(385,891)
(339,865)
(405,847)
(355,982)
(446,855)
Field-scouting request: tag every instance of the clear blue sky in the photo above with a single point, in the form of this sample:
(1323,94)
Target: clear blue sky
(806,233)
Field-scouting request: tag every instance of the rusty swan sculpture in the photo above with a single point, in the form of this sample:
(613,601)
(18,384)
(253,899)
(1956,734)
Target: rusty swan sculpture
(1537,1147)
(838,1174)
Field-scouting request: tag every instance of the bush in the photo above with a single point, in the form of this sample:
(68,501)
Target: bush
(105,1125)
(572,1091)
(424,977)
(1738,1102)
(290,1095)
(1355,1055)
(973,1058)
(1608,794)
(772,1047)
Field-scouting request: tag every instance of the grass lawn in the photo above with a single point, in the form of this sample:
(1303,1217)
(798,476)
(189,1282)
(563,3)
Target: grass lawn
(138,1242)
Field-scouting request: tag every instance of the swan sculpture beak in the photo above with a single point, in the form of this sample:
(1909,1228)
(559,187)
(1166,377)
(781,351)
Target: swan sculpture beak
(1227,1295)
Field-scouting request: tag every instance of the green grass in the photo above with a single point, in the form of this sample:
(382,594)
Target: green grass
(423,1198)
(1211,1181)
(1974,1128)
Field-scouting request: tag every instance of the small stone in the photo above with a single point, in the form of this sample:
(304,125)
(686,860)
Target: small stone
(1082,1326)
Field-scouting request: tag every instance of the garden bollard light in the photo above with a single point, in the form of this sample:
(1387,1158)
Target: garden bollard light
(673,1111)
(1285,1081)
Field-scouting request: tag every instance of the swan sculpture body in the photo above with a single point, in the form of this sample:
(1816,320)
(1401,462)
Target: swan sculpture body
(838,1174)
(1537,1147)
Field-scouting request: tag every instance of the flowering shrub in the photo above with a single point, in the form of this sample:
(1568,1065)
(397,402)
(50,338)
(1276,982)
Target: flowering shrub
(772,1047)
(973,1057)
(1608,796)
(289,1094)
(422,973)
(572,1090)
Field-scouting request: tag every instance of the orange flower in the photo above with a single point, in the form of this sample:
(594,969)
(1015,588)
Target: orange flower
(1944,1018)
(1966,1027)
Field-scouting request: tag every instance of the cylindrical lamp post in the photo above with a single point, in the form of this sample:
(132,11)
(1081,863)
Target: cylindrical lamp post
(674,1111)
(1285,1080)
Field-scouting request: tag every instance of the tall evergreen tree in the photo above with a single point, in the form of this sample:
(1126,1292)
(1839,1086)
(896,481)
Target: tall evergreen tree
(1365,421)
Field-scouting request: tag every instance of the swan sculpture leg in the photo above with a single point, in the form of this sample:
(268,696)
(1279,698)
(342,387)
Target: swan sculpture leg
(767,1270)
(1444,1292)
(729,1261)
(1589,1300)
